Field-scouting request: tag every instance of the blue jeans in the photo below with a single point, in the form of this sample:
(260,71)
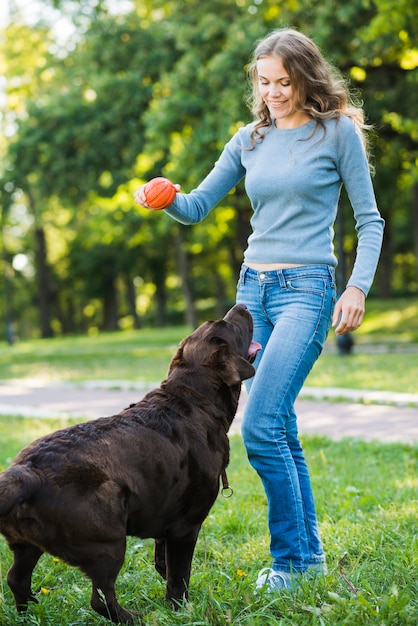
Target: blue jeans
(292,311)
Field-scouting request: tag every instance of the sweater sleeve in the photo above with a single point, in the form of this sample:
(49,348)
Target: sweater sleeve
(227,172)
(355,174)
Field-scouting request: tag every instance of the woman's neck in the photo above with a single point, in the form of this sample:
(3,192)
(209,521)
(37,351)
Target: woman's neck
(296,119)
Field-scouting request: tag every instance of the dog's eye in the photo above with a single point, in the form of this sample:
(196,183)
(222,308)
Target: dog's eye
(217,340)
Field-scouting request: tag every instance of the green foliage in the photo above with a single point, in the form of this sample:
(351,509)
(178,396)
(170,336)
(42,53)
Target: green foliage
(158,90)
(83,132)
(366,500)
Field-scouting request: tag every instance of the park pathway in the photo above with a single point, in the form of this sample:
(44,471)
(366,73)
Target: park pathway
(335,413)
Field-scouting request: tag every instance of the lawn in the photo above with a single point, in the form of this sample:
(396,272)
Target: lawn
(366,499)
(141,355)
(385,355)
(366,495)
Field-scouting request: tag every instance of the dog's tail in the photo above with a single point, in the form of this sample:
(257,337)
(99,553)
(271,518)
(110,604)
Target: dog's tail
(17,484)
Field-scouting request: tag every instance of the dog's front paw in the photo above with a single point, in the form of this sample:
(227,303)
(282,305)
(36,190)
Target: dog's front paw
(178,603)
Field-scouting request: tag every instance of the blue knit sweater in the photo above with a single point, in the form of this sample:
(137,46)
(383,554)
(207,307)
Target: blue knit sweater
(293,178)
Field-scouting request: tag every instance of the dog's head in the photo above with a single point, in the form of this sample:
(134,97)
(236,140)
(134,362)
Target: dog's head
(224,346)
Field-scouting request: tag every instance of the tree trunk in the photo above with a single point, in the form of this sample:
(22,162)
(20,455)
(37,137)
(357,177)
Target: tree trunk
(131,299)
(65,313)
(8,298)
(221,305)
(183,268)
(110,309)
(384,269)
(415,222)
(45,289)
(161,304)
(243,230)
(8,282)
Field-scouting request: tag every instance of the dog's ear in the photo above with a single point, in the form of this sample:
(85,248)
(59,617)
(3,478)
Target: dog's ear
(177,359)
(236,371)
(232,368)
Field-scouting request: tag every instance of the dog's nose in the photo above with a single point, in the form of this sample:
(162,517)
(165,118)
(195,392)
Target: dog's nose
(237,309)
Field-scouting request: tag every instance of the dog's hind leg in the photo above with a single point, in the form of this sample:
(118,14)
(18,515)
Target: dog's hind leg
(159,557)
(19,577)
(103,571)
(179,555)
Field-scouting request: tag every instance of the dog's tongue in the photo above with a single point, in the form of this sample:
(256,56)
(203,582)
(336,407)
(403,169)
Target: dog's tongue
(254,348)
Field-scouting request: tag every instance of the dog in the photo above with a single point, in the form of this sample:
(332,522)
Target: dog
(151,471)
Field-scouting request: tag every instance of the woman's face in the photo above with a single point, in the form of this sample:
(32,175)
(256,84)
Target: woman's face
(277,92)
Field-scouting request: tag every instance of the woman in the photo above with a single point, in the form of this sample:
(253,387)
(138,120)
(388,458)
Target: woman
(307,141)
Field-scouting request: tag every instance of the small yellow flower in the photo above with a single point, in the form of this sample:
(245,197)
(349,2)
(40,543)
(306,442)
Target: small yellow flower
(44,591)
(240,573)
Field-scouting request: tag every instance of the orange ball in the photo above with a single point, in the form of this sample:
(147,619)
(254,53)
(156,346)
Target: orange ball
(159,193)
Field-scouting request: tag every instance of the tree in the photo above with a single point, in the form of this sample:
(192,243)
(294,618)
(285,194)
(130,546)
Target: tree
(77,138)
(161,97)
(24,67)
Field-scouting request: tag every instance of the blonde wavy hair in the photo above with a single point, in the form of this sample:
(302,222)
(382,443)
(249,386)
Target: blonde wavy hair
(319,89)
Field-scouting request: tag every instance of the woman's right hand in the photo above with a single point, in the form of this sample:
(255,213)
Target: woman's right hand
(139,197)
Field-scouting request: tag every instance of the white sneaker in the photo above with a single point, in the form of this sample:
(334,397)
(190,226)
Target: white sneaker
(270,580)
(316,569)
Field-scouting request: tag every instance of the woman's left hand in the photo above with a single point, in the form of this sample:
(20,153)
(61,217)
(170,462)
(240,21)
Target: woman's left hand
(349,311)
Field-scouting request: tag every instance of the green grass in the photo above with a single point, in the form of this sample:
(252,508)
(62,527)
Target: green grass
(385,355)
(366,499)
(365,494)
(141,355)
(362,370)
(390,320)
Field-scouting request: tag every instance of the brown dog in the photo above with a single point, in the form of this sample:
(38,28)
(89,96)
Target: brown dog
(151,471)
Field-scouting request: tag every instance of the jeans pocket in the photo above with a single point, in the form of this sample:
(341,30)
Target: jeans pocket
(307,284)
